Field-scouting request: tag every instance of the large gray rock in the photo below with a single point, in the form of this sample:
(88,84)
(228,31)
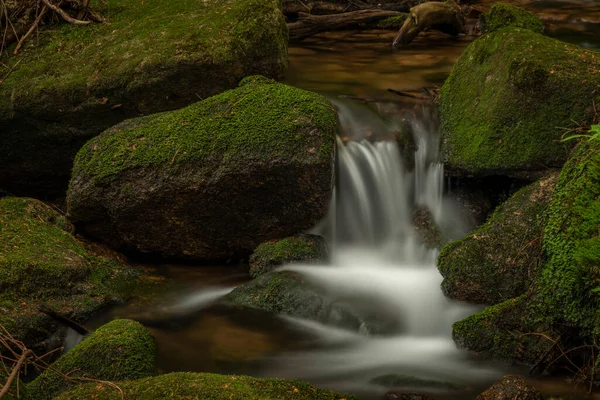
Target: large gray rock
(213,180)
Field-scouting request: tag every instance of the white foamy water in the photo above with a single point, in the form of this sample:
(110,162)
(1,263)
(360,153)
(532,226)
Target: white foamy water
(380,266)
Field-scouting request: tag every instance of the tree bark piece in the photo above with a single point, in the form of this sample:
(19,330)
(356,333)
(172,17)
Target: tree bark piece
(444,17)
(308,25)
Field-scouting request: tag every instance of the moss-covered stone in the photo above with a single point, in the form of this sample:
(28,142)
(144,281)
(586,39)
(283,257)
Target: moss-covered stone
(41,263)
(290,294)
(501,259)
(568,289)
(511,387)
(508,100)
(271,254)
(187,385)
(120,350)
(502,15)
(213,180)
(499,332)
(149,56)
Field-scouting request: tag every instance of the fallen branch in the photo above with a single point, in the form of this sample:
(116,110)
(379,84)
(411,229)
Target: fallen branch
(308,25)
(82,330)
(30,31)
(445,17)
(64,15)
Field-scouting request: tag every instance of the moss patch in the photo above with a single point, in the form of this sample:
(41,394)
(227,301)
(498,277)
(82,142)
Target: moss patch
(508,100)
(303,247)
(150,56)
(503,15)
(498,332)
(569,285)
(500,260)
(120,350)
(187,385)
(259,121)
(41,263)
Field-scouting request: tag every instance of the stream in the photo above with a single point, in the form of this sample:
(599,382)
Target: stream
(379,264)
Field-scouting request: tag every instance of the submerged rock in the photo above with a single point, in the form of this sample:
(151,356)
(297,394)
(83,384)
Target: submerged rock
(509,98)
(213,180)
(499,260)
(42,264)
(289,294)
(303,247)
(120,350)
(204,386)
(150,56)
(511,387)
(503,15)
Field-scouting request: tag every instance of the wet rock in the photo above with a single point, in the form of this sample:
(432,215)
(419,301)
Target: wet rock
(503,15)
(43,264)
(153,56)
(507,331)
(204,386)
(213,180)
(302,247)
(511,387)
(426,228)
(474,204)
(501,259)
(120,350)
(493,121)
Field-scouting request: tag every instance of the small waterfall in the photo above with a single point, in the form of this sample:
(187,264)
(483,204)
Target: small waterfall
(380,266)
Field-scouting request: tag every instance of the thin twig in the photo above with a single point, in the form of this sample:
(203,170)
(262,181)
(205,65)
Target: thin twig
(64,15)
(15,372)
(30,31)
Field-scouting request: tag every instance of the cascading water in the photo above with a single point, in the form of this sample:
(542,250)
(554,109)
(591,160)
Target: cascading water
(380,266)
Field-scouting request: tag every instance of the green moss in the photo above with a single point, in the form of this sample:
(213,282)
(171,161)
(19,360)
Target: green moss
(120,350)
(500,79)
(500,260)
(140,42)
(502,15)
(498,332)
(186,385)
(392,23)
(303,247)
(256,122)
(41,263)
(569,285)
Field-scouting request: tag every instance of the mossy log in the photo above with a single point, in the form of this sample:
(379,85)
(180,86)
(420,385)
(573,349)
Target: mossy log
(308,25)
(445,17)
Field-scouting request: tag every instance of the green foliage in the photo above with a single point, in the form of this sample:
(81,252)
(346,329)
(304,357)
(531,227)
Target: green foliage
(196,386)
(500,79)
(120,350)
(259,121)
(593,134)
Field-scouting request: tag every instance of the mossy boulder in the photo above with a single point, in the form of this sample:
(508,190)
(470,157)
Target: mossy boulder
(499,332)
(187,385)
(120,350)
(509,98)
(149,56)
(502,15)
(213,180)
(500,260)
(511,387)
(42,264)
(302,247)
(568,289)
